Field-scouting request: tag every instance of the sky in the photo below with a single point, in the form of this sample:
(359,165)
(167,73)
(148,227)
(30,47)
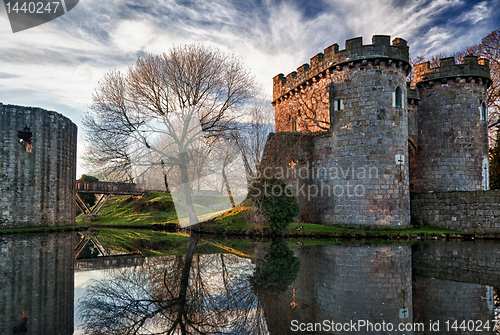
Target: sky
(58,65)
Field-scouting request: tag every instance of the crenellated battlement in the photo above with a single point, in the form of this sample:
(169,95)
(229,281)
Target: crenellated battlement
(471,67)
(332,60)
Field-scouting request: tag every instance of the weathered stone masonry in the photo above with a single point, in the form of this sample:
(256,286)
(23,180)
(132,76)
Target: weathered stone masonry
(452,140)
(37,167)
(371,138)
(471,212)
(348,94)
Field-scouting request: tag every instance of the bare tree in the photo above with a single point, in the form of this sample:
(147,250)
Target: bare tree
(162,107)
(200,161)
(489,48)
(252,138)
(414,61)
(228,152)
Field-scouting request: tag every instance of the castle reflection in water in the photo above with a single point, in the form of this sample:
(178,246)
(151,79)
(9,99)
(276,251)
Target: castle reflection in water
(377,282)
(399,284)
(36,284)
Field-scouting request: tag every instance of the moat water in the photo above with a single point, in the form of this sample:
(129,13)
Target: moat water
(197,285)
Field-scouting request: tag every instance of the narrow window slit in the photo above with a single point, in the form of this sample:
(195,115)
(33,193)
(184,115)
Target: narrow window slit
(25,138)
(398,98)
(484,111)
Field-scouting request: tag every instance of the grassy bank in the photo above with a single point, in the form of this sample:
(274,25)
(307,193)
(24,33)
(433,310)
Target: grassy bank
(234,223)
(157,210)
(151,243)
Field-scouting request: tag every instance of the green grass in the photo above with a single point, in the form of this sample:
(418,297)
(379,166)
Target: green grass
(128,210)
(314,228)
(155,208)
(151,243)
(235,218)
(234,221)
(158,208)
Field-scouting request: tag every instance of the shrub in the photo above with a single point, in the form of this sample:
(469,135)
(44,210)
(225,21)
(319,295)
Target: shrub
(274,200)
(154,205)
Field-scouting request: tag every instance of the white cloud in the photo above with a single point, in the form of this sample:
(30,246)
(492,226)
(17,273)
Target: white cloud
(67,63)
(133,36)
(478,13)
(61,62)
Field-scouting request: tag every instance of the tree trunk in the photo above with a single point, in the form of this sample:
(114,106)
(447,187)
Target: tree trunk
(182,316)
(167,187)
(186,189)
(228,188)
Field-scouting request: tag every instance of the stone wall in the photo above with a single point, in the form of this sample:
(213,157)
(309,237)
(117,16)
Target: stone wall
(373,137)
(413,100)
(37,167)
(355,51)
(368,133)
(471,67)
(304,99)
(37,284)
(288,156)
(466,211)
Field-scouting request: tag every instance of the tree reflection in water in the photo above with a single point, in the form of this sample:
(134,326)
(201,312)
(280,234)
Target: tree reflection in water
(277,271)
(192,294)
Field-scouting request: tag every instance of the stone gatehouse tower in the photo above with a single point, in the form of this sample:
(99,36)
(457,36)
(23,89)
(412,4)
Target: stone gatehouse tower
(37,167)
(359,138)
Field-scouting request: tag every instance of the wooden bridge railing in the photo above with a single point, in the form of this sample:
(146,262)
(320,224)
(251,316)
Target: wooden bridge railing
(99,187)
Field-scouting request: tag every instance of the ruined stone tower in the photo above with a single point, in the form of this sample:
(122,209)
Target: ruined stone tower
(358,138)
(37,167)
(452,148)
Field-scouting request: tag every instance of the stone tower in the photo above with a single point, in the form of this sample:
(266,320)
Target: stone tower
(37,167)
(452,149)
(352,104)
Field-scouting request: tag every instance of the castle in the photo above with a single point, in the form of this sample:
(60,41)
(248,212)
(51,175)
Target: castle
(359,138)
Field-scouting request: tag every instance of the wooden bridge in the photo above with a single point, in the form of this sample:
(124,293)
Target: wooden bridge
(107,189)
(108,262)
(100,187)
(105,260)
